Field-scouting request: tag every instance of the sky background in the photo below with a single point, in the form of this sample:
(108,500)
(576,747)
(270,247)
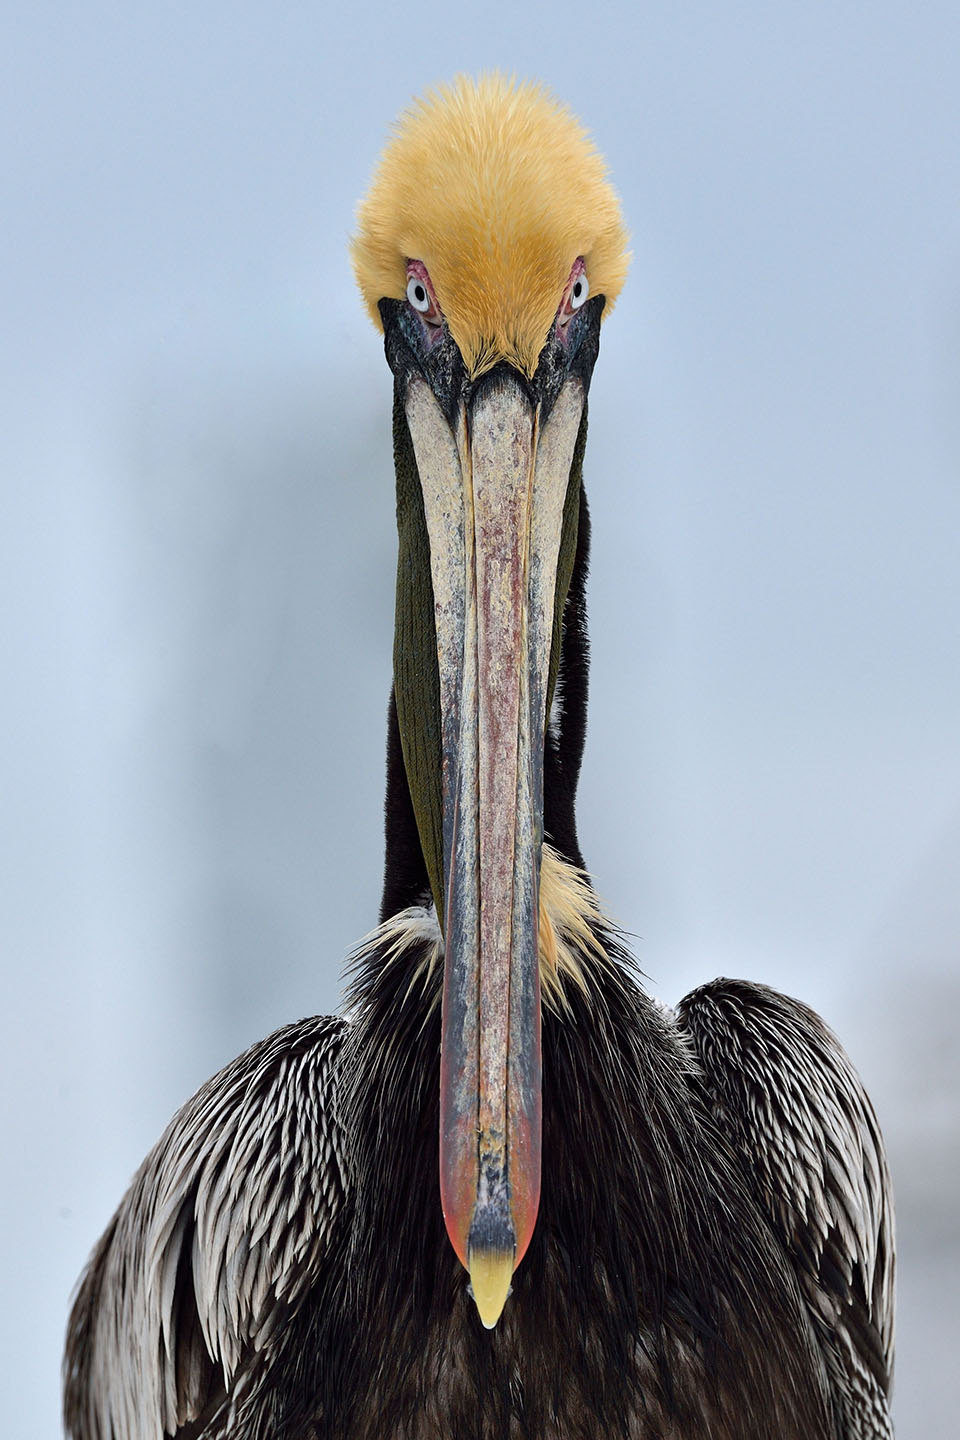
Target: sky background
(197,560)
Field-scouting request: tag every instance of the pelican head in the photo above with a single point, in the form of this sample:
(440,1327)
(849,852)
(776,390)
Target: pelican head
(487,248)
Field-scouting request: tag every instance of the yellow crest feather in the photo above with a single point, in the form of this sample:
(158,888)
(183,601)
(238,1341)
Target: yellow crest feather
(498,189)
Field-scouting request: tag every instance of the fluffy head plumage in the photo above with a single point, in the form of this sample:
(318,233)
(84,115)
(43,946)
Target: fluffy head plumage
(498,189)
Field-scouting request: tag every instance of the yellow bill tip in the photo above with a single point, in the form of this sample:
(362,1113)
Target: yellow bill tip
(490,1274)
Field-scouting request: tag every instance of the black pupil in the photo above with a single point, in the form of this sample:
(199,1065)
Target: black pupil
(576,290)
(421,294)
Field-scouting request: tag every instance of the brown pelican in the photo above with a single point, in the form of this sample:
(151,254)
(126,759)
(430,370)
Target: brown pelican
(665,1224)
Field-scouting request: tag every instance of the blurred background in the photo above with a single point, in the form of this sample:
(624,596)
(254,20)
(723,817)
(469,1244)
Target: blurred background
(197,557)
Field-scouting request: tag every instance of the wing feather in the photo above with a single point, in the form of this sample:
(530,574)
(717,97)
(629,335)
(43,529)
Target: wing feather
(793,1108)
(221,1234)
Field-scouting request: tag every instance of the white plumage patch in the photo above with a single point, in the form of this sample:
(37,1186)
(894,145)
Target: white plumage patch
(570,924)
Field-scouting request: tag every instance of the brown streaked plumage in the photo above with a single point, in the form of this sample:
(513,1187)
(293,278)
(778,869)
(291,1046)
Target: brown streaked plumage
(706,1250)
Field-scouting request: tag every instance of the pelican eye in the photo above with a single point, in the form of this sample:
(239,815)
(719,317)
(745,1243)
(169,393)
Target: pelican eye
(418,295)
(579,292)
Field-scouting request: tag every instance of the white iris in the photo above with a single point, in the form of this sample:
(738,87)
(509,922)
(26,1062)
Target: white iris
(417,295)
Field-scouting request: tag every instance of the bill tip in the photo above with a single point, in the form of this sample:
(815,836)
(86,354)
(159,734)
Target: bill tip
(490,1274)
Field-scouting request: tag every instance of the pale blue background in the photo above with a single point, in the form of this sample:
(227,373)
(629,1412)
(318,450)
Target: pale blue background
(197,551)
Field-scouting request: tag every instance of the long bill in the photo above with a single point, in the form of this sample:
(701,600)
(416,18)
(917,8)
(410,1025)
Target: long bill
(494,487)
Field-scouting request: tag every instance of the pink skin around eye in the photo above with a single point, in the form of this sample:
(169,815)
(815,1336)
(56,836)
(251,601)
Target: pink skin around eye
(431,319)
(566,312)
